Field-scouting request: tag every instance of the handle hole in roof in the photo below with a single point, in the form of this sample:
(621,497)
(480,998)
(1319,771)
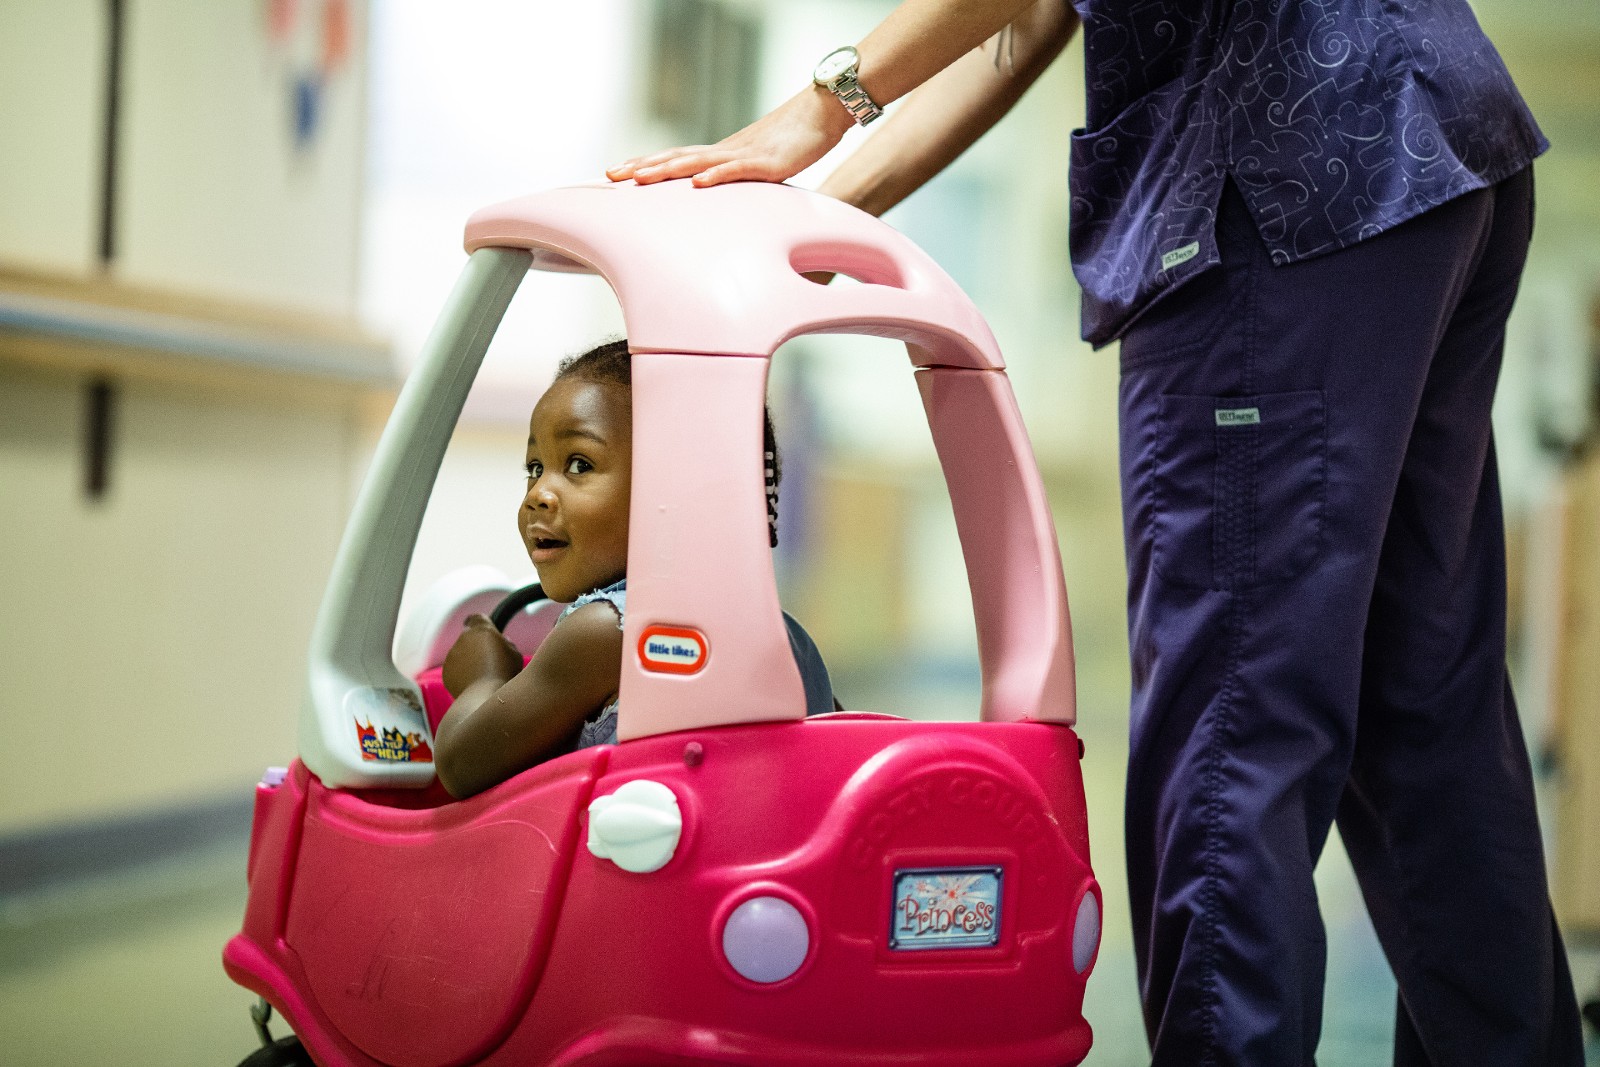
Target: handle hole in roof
(867,265)
(551,260)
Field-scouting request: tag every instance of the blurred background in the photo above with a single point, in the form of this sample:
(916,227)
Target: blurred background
(225,228)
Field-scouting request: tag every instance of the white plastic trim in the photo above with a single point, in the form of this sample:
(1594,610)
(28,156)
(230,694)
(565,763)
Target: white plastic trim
(637,827)
(435,621)
(353,639)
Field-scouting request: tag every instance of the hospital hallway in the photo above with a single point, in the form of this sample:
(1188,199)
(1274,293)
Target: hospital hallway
(227,232)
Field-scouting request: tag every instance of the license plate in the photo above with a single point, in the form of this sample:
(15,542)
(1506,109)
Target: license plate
(945,907)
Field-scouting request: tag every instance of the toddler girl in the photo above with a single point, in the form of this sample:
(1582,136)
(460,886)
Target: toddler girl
(574,521)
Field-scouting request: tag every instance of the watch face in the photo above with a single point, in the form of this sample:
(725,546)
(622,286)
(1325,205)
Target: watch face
(835,63)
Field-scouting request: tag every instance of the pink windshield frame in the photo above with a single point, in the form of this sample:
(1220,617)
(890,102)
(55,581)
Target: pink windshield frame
(717,272)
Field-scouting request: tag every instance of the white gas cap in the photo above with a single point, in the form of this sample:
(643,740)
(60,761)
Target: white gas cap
(637,827)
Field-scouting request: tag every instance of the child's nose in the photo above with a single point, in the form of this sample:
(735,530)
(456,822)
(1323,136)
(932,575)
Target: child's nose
(540,496)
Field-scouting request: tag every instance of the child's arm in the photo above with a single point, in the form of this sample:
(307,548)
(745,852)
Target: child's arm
(505,720)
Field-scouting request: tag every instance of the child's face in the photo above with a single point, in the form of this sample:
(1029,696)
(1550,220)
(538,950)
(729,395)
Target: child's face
(574,517)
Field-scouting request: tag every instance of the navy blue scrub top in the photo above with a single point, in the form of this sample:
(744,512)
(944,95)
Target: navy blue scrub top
(1336,119)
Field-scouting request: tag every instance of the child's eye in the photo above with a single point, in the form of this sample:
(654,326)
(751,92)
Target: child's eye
(579,465)
(534,469)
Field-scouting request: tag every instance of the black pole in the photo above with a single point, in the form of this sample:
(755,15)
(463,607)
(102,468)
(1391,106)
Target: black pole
(116,12)
(99,425)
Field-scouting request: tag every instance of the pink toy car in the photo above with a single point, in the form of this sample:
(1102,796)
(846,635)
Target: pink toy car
(732,883)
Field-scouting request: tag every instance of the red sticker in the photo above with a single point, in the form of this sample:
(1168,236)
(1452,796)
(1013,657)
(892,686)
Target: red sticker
(672,649)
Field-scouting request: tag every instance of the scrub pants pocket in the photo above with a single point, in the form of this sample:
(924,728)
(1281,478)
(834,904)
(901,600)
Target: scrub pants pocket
(1237,486)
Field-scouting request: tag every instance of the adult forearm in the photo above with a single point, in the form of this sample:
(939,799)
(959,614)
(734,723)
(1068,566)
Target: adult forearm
(920,38)
(943,118)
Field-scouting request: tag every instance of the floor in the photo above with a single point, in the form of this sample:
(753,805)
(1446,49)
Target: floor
(127,970)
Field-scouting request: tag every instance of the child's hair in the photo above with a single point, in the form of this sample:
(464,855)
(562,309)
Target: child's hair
(610,363)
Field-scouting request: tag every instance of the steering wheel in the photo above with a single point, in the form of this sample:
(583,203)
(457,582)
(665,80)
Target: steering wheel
(514,602)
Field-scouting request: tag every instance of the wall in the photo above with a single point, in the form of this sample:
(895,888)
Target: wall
(217,194)
(51,100)
(154,637)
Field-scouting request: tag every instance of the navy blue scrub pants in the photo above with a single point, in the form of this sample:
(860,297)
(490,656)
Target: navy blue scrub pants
(1317,624)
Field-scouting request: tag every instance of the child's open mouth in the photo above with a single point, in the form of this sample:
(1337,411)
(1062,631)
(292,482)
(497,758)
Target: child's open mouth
(545,548)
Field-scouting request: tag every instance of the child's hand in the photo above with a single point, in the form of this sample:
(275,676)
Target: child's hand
(480,652)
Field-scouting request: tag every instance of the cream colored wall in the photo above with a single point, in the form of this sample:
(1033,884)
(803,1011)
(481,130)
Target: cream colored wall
(217,198)
(213,195)
(154,640)
(52,55)
(472,512)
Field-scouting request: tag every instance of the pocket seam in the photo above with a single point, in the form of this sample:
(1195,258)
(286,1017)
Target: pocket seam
(1159,510)
(1158,461)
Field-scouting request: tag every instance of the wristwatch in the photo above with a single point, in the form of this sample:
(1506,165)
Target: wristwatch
(837,74)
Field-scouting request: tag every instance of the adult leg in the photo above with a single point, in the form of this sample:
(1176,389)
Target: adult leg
(1439,814)
(1265,416)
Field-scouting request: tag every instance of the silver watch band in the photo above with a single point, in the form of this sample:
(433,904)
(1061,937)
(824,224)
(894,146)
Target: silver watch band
(862,107)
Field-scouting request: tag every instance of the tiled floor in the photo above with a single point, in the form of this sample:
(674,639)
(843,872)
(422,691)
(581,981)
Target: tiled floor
(128,972)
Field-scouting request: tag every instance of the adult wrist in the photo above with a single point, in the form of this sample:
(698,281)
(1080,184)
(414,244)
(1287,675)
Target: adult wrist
(839,74)
(830,115)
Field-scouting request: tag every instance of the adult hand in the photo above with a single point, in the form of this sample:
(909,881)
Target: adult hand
(774,148)
(480,652)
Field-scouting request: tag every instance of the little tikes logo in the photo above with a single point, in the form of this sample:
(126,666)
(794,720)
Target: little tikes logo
(672,649)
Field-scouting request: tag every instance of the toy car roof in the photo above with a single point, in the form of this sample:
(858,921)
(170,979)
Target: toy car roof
(701,273)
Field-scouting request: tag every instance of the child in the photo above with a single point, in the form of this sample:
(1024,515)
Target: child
(574,522)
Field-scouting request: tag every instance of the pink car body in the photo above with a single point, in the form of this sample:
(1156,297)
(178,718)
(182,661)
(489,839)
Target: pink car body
(732,883)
